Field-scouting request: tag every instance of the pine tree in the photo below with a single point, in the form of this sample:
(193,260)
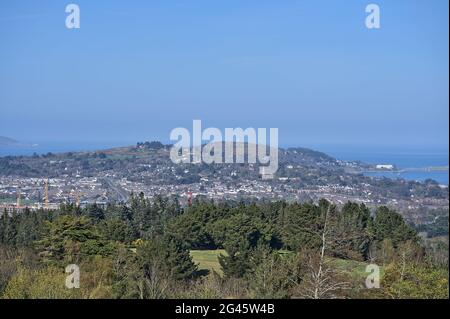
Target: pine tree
(3,225)
(389,224)
(96,212)
(178,259)
(10,235)
(236,263)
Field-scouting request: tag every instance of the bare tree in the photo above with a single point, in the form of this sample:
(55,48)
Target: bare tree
(322,279)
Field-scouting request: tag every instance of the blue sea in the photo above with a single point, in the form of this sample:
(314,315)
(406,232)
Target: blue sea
(414,158)
(401,157)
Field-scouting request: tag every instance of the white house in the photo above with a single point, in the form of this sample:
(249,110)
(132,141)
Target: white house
(385,166)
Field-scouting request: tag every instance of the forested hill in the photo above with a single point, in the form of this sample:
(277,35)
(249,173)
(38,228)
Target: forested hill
(265,250)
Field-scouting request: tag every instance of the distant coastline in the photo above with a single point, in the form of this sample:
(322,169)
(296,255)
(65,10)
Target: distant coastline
(409,164)
(10,142)
(6,141)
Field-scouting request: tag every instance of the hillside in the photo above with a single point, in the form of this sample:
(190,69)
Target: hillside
(303,174)
(6,141)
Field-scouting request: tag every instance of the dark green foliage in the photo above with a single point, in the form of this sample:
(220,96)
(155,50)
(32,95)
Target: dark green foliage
(145,243)
(95,212)
(299,226)
(168,255)
(116,229)
(237,261)
(190,227)
(22,229)
(272,273)
(177,259)
(354,227)
(150,218)
(389,224)
(438,228)
(70,238)
(207,225)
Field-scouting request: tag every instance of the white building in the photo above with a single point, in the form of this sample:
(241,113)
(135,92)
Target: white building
(385,166)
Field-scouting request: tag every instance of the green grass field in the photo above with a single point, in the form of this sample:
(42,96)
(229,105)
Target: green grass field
(356,269)
(207,259)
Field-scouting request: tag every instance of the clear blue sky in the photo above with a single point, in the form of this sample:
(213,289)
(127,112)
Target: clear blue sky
(137,69)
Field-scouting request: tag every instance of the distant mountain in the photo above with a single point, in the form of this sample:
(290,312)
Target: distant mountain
(6,141)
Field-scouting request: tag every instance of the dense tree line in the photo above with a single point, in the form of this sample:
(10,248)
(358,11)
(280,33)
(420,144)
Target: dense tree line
(272,249)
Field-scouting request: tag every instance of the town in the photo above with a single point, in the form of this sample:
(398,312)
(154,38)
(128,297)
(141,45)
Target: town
(111,176)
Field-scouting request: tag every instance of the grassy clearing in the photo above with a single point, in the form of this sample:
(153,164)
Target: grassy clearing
(356,269)
(208,259)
